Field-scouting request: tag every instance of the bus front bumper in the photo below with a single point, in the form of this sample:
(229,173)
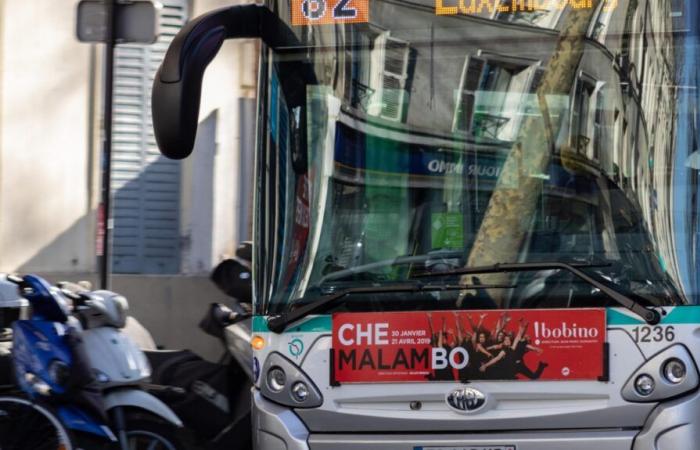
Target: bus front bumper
(277,427)
(672,426)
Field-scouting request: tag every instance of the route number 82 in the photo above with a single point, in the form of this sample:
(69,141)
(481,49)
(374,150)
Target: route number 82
(311,12)
(316,9)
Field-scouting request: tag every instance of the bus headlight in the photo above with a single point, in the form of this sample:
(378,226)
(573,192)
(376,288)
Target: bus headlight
(285,383)
(668,374)
(644,384)
(300,391)
(675,371)
(276,379)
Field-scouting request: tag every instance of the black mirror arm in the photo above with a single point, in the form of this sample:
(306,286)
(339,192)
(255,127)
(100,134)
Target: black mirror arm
(178,82)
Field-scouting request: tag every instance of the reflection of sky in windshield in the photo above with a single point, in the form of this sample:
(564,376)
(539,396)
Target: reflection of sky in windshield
(685,191)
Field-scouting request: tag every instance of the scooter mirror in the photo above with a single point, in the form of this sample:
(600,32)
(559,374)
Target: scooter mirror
(218,317)
(235,279)
(245,251)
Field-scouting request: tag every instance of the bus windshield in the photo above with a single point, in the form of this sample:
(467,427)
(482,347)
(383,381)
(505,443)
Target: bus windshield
(404,138)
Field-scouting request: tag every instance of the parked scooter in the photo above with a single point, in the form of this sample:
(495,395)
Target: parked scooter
(24,424)
(75,359)
(215,398)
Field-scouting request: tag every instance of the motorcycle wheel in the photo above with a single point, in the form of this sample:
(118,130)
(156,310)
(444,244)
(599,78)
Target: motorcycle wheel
(148,434)
(25,425)
(143,433)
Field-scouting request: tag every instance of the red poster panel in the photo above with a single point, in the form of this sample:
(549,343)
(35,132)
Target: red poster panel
(329,12)
(562,344)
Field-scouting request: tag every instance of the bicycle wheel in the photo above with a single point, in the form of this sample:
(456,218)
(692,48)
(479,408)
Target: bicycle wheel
(27,426)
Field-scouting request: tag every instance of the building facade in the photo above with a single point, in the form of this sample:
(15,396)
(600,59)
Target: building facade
(169,218)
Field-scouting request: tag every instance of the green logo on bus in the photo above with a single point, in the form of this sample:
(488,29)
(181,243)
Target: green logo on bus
(296,347)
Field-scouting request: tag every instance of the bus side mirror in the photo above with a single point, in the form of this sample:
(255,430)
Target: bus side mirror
(178,82)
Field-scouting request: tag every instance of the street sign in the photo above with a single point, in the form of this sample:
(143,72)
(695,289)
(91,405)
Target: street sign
(134,21)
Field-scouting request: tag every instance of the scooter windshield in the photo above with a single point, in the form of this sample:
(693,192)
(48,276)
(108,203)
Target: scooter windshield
(436,137)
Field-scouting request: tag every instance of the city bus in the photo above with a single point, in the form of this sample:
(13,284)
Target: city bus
(476,221)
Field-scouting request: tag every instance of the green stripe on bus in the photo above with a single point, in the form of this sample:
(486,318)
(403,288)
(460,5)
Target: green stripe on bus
(618,318)
(677,316)
(683,314)
(317,324)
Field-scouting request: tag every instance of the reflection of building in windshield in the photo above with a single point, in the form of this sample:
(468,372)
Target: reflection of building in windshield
(686,159)
(431,106)
(617,122)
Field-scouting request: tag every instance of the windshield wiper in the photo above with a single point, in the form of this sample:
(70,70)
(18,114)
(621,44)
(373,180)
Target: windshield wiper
(651,316)
(401,260)
(278,323)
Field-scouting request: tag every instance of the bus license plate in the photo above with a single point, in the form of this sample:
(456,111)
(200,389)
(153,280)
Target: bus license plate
(470,447)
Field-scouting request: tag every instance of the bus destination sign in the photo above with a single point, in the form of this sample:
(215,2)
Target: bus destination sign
(455,7)
(328,12)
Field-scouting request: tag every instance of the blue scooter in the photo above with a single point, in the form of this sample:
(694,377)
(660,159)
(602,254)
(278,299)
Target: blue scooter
(67,360)
(50,362)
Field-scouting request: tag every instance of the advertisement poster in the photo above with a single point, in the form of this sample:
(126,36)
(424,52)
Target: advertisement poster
(562,344)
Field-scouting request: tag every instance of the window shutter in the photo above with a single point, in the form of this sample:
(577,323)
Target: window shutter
(145,185)
(466,101)
(394,79)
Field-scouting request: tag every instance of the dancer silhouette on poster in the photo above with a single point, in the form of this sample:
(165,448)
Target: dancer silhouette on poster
(495,355)
(508,361)
(440,339)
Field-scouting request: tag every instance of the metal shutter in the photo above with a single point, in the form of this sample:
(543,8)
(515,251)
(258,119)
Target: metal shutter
(466,102)
(145,185)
